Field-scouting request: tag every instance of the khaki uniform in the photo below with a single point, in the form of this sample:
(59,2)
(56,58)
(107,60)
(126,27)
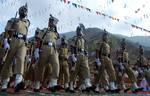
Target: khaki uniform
(141,61)
(64,76)
(147,76)
(29,70)
(82,67)
(49,55)
(107,65)
(3,52)
(143,66)
(48,72)
(17,47)
(124,59)
(2,35)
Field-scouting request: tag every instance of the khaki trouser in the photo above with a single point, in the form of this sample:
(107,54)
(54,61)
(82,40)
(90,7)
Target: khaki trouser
(101,78)
(82,68)
(130,74)
(48,72)
(64,76)
(119,76)
(147,76)
(17,50)
(109,68)
(29,74)
(3,55)
(48,56)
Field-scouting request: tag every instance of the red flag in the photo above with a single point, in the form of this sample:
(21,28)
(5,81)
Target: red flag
(65,1)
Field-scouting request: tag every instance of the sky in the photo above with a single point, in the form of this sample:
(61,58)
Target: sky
(69,16)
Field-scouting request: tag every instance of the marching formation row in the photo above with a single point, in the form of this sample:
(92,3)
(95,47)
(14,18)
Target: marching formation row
(64,66)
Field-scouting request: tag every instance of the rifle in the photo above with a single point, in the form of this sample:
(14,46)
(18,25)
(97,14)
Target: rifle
(11,31)
(41,42)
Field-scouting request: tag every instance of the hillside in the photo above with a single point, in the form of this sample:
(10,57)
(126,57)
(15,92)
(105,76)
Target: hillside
(142,40)
(93,35)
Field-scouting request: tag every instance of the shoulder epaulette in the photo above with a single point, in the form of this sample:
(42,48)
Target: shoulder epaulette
(13,19)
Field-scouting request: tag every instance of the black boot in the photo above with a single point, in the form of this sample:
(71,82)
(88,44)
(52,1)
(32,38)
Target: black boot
(4,90)
(19,86)
(72,91)
(117,90)
(54,88)
(127,89)
(88,89)
(96,92)
(67,89)
(137,90)
(113,91)
(36,90)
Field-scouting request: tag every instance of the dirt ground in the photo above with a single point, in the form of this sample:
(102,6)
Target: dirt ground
(62,93)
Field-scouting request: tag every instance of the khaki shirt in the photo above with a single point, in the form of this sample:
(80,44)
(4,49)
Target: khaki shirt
(63,51)
(124,56)
(104,48)
(50,36)
(141,61)
(80,43)
(21,25)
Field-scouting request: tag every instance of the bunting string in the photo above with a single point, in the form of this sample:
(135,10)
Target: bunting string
(67,2)
(105,15)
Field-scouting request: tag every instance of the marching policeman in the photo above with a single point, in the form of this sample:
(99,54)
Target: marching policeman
(48,55)
(81,68)
(124,67)
(105,64)
(64,67)
(142,65)
(16,32)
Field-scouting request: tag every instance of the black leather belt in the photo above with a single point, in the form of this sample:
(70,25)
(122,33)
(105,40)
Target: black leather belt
(104,54)
(143,67)
(81,50)
(48,43)
(18,35)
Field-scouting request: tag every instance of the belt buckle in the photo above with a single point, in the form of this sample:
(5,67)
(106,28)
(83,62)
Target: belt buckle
(50,43)
(20,36)
(82,50)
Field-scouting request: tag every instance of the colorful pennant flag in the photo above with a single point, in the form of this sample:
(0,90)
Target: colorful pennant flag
(75,5)
(65,1)
(88,9)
